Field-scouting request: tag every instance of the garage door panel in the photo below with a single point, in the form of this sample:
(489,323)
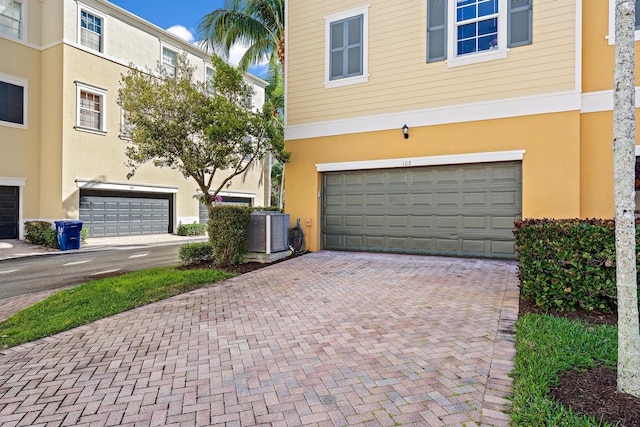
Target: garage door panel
(372,242)
(354,241)
(453,209)
(374,221)
(502,223)
(398,221)
(474,246)
(353,200)
(475,223)
(371,200)
(448,199)
(354,180)
(353,221)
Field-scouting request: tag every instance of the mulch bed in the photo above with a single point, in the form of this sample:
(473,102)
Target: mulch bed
(238,269)
(592,392)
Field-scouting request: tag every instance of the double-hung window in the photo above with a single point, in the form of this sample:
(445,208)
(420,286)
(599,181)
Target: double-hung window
(169,61)
(13,101)
(468,31)
(347,51)
(209,76)
(91,108)
(11,19)
(91,27)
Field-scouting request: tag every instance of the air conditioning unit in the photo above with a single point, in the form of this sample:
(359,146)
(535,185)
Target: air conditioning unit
(268,232)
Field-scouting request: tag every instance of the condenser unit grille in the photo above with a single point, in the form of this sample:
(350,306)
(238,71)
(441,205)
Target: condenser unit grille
(268,232)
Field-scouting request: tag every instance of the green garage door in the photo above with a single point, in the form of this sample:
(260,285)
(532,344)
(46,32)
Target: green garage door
(124,213)
(465,210)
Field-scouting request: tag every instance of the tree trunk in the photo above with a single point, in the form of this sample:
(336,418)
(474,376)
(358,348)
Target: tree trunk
(624,186)
(281,195)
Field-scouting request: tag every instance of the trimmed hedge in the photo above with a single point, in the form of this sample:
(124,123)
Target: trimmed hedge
(41,233)
(192,229)
(194,253)
(44,233)
(229,234)
(568,264)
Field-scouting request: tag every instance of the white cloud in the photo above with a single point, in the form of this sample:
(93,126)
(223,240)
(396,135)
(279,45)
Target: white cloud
(236,52)
(182,32)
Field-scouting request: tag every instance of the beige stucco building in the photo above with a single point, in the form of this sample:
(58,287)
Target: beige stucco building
(61,145)
(508,108)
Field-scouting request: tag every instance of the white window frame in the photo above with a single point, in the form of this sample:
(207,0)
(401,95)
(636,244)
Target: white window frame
(103,40)
(164,46)
(83,87)
(486,55)
(125,127)
(364,11)
(24,7)
(209,84)
(24,83)
(611,37)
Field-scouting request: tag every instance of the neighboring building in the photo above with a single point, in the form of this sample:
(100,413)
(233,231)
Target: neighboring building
(61,141)
(508,105)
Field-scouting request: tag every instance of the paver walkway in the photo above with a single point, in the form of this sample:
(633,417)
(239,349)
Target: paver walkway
(324,339)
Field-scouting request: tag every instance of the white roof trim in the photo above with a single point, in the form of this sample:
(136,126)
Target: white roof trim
(496,109)
(454,159)
(89,184)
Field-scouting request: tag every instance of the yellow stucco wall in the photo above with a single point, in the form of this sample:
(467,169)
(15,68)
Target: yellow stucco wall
(20,147)
(551,164)
(597,53)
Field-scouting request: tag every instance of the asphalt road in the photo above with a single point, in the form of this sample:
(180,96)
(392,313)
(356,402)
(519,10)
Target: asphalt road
(45,272)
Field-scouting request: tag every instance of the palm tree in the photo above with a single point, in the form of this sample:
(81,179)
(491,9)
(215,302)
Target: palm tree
(258,24)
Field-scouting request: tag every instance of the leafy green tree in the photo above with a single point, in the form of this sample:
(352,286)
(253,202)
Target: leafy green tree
(256,23)
(175,122)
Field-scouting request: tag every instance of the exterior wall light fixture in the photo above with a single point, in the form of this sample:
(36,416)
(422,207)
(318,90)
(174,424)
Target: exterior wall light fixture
(405,131)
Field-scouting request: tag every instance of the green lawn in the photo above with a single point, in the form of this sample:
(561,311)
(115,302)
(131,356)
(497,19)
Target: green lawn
(546,345)
(99,299)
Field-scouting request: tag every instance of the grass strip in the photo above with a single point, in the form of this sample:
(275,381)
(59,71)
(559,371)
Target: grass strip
(101,298)
(545,346)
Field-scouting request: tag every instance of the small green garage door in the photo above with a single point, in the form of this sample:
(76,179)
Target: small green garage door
(110,213)
(466,210)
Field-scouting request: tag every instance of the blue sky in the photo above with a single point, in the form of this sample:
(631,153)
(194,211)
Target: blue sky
(180,18)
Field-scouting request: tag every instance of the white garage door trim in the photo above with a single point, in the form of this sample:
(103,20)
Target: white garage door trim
(88,184)
(453,159)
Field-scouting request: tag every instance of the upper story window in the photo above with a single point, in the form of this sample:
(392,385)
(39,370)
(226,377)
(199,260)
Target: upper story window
(13,101)
(11,19)
(346,38)
(91,108)
(209,76)
(468,31)
(612,21)
(169,61)
(91,30)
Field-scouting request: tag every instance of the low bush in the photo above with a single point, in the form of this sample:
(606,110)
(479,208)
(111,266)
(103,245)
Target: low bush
(229,233)
(194,253)
(41,233)
(192,229)
(567,264)
(84,234)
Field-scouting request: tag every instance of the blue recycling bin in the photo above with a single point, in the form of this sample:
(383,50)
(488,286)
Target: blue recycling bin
(69,234)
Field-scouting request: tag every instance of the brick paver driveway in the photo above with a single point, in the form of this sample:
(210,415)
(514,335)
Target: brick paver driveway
(324,339)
